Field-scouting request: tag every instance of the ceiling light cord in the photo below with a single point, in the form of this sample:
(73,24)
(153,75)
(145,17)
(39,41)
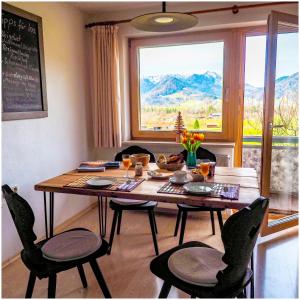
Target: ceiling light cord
(164,6)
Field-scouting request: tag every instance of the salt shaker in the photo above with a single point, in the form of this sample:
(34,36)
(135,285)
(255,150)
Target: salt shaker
(138,169)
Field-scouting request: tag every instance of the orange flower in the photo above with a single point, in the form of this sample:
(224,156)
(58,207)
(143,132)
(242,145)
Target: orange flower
(201,137)
(183,140)
(197,137)
(192,141)
(184,132)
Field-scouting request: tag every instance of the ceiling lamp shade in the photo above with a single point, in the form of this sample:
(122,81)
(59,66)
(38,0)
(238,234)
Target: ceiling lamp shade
(164,21)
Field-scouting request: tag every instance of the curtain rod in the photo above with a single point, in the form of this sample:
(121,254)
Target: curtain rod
(235,9)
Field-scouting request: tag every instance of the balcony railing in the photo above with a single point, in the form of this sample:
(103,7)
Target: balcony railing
(284,166)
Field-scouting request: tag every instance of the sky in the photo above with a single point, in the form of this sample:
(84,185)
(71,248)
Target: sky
(199,58)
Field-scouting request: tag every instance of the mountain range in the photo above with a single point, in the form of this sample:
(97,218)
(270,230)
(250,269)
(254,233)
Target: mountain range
(174,88)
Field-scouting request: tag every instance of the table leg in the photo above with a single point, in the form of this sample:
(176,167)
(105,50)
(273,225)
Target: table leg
(45,211)
(102,214)
(51,216)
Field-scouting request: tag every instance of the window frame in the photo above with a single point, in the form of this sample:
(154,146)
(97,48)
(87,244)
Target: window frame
(227,36)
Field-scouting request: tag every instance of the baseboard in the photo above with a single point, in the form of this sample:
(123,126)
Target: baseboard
(58,228)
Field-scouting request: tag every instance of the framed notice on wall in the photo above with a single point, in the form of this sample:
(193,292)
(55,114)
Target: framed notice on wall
(23,68)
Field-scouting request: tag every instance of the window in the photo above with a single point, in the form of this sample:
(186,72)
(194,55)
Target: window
(187,73)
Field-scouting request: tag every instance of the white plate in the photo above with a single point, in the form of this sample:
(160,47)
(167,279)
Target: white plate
(173,180)
(159,174)
(99,182)
(197,188)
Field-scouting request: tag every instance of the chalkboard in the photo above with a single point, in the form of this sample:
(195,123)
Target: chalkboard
(23,71)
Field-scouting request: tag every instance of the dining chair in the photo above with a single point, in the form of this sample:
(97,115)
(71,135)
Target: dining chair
(205,272)
(64,251)
(184,209)
(120,205)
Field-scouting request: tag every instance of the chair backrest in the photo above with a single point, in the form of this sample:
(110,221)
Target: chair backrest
(239,236)
(23,217)
(134,150)
(202,153)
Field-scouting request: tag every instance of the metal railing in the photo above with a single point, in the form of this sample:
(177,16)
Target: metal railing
(276,139)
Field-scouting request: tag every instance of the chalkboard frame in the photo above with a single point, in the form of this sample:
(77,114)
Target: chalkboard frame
(30,114)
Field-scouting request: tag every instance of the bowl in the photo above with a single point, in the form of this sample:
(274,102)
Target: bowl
(170,167)
(140,157)
(197,177)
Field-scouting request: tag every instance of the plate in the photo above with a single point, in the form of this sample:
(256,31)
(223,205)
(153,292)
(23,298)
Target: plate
(197,188)
(99,182)
(159,174)
(173,180)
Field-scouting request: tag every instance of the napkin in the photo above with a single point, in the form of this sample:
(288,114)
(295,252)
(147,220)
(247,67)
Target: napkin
(128,187)
(231,192)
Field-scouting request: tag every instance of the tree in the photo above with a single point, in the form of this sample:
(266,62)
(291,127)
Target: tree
(196,124)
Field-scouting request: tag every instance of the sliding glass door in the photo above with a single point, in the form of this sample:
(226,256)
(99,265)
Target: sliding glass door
(279,168)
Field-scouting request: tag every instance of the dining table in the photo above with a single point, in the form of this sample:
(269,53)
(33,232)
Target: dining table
(147,190)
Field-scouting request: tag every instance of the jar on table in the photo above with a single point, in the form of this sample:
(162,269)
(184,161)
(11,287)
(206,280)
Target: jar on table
(138,169)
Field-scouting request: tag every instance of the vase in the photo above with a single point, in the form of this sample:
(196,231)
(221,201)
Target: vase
(191,159)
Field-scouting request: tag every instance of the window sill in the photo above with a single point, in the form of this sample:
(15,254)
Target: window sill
(174,144)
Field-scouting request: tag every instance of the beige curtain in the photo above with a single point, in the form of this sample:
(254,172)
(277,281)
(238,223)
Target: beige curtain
(104,77)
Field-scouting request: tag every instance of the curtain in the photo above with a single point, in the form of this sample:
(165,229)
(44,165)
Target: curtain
(104,78)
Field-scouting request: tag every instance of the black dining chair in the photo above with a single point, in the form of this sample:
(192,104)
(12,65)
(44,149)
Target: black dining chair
(202,271)
(120,205)
(184,209)
(64,251)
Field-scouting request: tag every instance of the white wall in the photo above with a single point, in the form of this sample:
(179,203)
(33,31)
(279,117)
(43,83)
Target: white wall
(38,149)
(209,21)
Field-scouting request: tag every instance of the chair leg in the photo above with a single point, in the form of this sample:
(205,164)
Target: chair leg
(82,276)
(165,290)
(52,286)
(177,221)
(155,225)
(252,278)
(30,285)
(119,222)
(212,218)
(112,232)
(220,219)
(100,278)
(183,222)
(151,220)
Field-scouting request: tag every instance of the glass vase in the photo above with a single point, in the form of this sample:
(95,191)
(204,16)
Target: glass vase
(191,159)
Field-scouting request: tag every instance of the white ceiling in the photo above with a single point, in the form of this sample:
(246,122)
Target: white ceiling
(118,6)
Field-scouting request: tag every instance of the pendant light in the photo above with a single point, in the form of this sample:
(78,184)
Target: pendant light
(164,21)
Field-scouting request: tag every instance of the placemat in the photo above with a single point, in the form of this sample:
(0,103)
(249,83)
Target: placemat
(231,191)
(118,185)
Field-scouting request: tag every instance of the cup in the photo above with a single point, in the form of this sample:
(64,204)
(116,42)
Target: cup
(212,169)
(180,176)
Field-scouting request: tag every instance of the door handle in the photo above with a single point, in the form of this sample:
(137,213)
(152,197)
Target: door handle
(271,126)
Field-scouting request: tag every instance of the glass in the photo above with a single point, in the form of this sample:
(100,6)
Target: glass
(284,156)
(204,169)
(126,163)
(189,79)
(253,101)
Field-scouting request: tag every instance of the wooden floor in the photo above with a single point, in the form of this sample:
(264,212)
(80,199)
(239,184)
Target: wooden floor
(127,271)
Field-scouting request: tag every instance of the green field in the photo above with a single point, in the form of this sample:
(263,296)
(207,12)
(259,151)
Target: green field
(206,116)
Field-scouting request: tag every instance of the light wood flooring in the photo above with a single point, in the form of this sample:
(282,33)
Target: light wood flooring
(127,271)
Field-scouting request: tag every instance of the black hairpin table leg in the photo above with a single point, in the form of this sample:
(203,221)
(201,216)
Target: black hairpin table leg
(51,217)
(45,212)
(102,213)
(49,230)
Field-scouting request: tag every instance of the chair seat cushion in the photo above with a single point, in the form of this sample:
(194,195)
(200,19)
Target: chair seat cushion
(128,202)
(71,245)
(197,265)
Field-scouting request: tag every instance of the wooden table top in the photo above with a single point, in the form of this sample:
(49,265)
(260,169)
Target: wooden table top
(147,190)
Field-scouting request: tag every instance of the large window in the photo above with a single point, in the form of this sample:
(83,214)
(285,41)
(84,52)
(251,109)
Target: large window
(187,73)
(186,78)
